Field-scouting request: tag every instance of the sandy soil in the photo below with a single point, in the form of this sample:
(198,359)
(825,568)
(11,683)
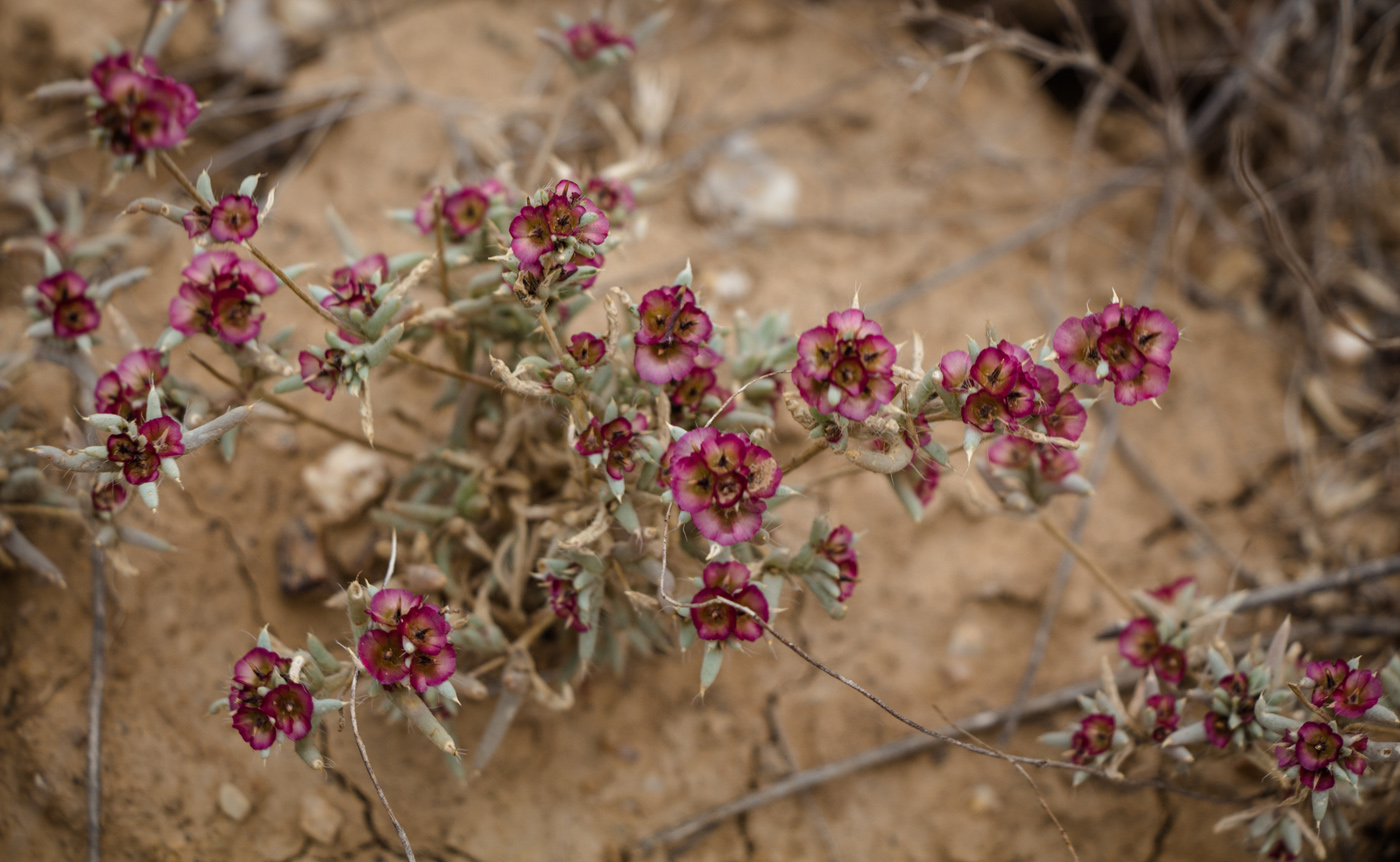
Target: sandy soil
(895,184)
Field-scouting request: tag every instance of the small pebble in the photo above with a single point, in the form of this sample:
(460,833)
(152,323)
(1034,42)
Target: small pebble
(234,803)
(320,820)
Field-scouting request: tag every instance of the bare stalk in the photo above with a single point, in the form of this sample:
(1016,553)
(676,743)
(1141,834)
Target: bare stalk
(364,755)
(95,686)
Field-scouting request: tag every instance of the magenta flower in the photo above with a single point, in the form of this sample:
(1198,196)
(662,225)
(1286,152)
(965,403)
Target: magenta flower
(1132,345)
(364,269)
(1218,731)
(615,441)
(218,297)
(1169,591)
(1170,664)
(1139,642)
(846,365)
(530,239)
(1327,677)
(1165,717)
(689,394)
(839,548)
(567,208)
(62,298)
(234,318)
(1360,691)
(1355,762)
(321,374)
(586,39)
(956,368)
(256,668)
(673,335)
(1063,415)
(718,621)
(108,497)
(389,607)
(140,456)
(140,109)
(587,349)
(233,219)
(383,655)
(1094,737)
(563,600)
(1317,747)
(613,197)
(123,390)
(427,670)
(256,727)
(983,411)
(722,481)
(290,707)
(464,210)
(426,629)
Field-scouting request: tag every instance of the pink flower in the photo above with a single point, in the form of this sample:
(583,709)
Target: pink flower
(1317,748)
(62,298)
(1169,591)
(672,339)
(1094,737)
(722,480)
(389,607)
(1139,642)
(140,456)
(1165,717)
(464,211)
(233,219)
(1360,691)
(613,197)
(719,621)
(615,441)
(588,38)
(364,269)
(530,239)
(587,349)
(846,365)
(123,390)
(383,655)
(426,629)
(688,397)
(217,297)
(256,727)
(290,707)
(426,670)
(321,374)
(563,600)
(1327,677)
(233,317)
(1218,732)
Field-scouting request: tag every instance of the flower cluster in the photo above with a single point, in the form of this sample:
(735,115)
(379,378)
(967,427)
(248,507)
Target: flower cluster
(234,218)
(320,373)
(146,451)
(611,444)
(221,296)
(673,338)
(721,480)
(62,298)
(264,704)
(565,223)
(463,209)
(717,621)
(137,109)
(613,196)
(407,639)
(587,349)
(1231,715)
(1317,752)
(1128,345)
(1349,691)
(1142,644)
(1005,386)
(696,397)
(846,365)
(123,390)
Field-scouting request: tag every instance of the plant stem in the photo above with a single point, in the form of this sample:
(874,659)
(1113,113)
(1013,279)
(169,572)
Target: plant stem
(1099,574)
(364,756)
(803,457)
(439,232)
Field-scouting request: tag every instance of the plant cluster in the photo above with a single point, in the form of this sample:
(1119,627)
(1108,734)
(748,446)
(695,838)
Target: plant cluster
(577,461)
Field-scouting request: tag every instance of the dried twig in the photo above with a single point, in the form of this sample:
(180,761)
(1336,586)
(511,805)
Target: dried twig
(364,755)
